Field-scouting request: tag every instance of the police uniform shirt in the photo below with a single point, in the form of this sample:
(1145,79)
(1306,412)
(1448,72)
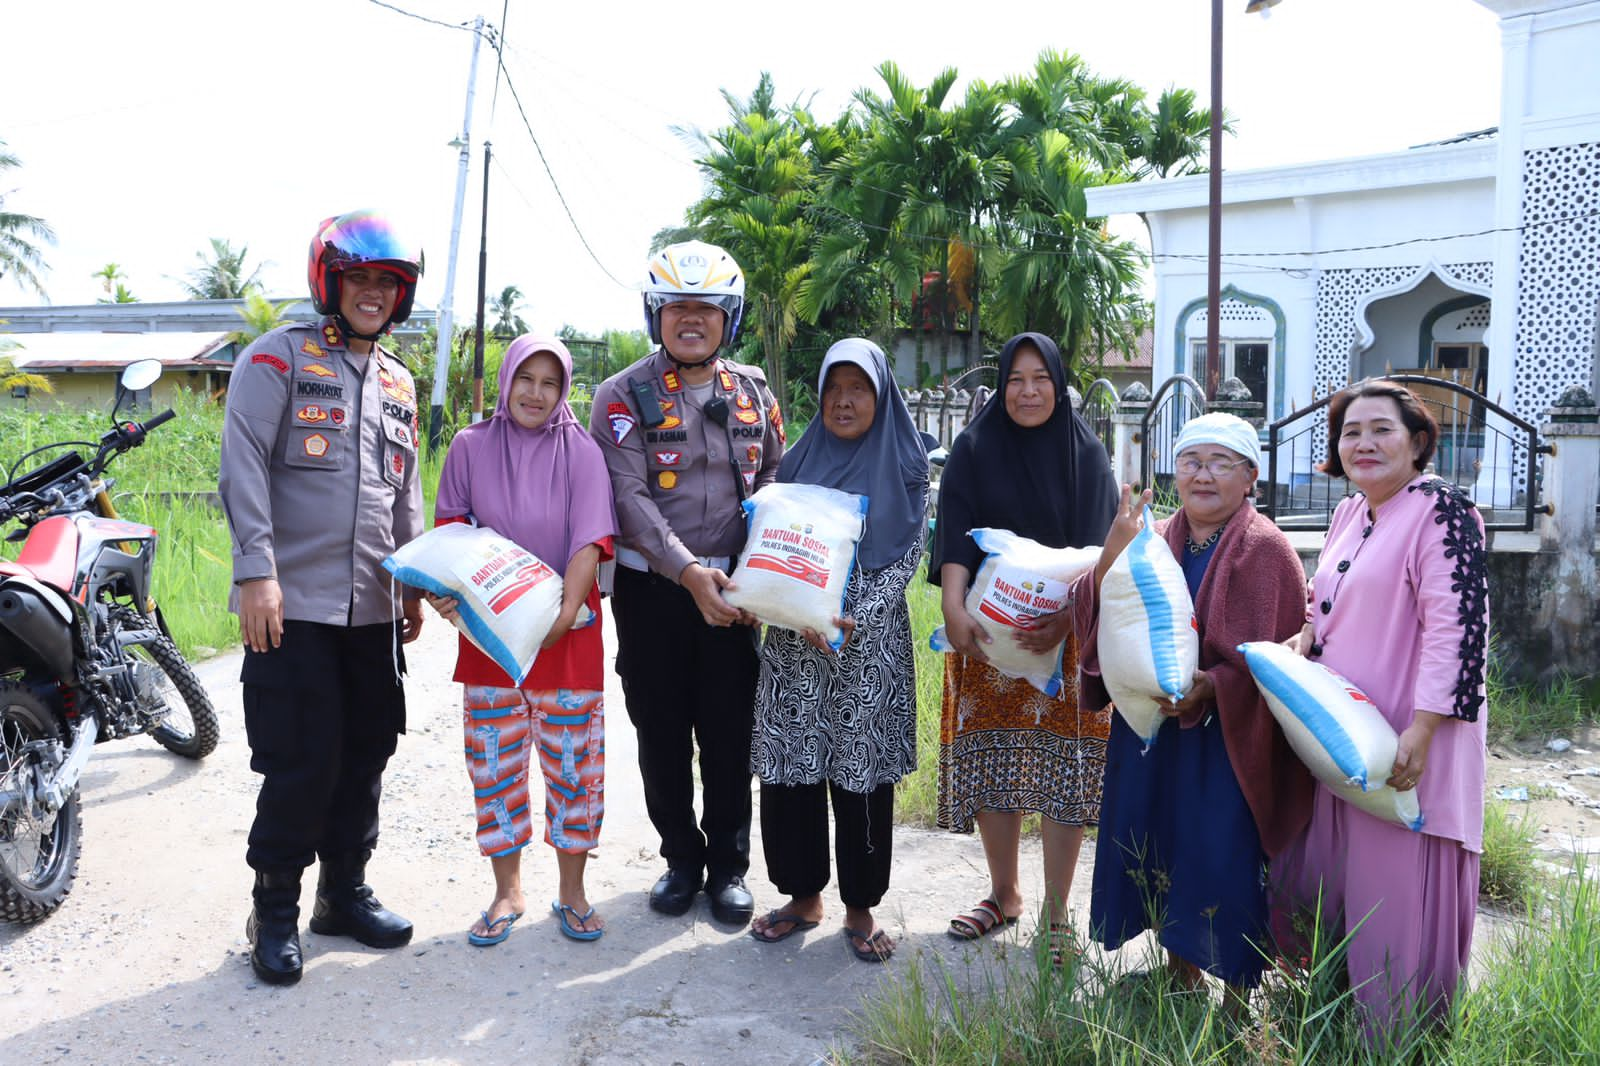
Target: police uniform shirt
(674,483)
(319,472)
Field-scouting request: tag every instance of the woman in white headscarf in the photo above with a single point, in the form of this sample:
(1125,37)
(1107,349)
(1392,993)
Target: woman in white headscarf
(845,722)
(1187,827)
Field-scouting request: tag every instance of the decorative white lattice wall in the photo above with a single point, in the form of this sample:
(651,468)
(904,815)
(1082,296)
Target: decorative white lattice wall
(1235,318)
(1558,285)
(1340,291)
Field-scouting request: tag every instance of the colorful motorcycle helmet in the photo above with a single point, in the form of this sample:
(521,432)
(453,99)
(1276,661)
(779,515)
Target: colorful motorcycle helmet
(694,270)
(360,238)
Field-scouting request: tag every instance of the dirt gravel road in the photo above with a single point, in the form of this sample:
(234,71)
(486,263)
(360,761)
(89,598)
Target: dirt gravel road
(145,962)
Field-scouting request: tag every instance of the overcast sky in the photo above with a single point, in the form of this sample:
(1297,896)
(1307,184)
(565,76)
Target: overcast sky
(146,129)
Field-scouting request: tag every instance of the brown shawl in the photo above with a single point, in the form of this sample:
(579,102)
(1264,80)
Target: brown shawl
(1253,589)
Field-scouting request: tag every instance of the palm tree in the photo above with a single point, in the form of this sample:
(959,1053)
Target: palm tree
(11,377)
(123,295)
(260,315)
(110,275)
(19,255)
(1062,274)
(1174,138)
(508,323)
(759,176)
(222,276)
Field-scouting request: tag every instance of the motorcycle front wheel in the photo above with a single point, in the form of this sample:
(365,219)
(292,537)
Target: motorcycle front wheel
(190,727)
(38,849)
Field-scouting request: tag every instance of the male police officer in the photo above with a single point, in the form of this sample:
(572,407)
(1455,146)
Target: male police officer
(319,480)
(686,436)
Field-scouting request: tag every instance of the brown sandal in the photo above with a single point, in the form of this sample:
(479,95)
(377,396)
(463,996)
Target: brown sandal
(985,918)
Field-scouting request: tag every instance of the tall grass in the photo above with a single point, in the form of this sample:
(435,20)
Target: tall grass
(1532,1001)
(917,797)
(1537,712)
(167,483)
(1507,868)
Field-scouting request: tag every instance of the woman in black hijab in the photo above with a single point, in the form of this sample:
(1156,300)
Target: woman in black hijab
(1027,463)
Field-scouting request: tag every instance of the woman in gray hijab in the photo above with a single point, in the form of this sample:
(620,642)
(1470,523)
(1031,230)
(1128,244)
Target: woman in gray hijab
(844,723)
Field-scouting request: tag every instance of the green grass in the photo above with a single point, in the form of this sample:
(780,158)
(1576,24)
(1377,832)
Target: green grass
(917,797)
(1531,1001)
(166,484)
(1507,869)
(1537,712)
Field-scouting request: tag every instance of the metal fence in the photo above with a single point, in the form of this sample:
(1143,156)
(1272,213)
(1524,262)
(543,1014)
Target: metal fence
(1485,449)
(1099,404)
(1179,399)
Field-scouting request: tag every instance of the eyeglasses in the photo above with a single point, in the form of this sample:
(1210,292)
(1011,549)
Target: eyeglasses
(1215,467)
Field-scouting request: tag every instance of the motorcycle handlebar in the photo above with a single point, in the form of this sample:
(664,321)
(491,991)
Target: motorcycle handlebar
(161,419)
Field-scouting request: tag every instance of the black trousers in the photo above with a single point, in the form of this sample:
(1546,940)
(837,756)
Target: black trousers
(686,684)
(323,712)
(794,837)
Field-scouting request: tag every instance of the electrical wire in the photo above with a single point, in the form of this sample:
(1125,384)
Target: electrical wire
(423,18)
(496,40)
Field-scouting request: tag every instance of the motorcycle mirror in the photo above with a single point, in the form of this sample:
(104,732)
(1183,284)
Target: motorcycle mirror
(137,375)
(141,374)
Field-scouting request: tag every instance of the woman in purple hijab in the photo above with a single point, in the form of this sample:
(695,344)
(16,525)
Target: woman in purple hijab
(533,474)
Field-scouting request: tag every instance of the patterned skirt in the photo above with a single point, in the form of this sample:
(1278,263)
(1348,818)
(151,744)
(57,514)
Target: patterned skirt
(1006,746)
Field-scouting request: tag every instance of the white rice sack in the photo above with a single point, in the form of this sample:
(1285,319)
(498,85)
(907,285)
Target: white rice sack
(1149,640)
(508,598)
(1020,581)
(797,558)
(1335,728)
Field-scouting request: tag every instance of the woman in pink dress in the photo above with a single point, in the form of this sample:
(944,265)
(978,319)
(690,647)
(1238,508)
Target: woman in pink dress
(1399,606)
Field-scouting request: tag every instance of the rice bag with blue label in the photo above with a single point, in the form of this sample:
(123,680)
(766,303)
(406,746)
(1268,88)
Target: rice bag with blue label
(1019,582)
(1149,639)
(507,598)
(1335,729)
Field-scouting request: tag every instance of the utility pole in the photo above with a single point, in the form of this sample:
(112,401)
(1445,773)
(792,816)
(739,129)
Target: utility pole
(483,271)
(441,370)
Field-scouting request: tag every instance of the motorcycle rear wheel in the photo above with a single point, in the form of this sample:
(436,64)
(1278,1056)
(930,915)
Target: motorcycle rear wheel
(191,727)
(38,850)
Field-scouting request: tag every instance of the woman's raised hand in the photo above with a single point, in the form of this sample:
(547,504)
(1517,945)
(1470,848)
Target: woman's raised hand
(1126,526)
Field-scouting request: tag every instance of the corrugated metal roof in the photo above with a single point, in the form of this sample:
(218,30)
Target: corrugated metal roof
(88,352)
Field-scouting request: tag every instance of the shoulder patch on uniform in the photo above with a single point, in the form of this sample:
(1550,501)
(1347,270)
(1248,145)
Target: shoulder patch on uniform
(270,360)
(621,426)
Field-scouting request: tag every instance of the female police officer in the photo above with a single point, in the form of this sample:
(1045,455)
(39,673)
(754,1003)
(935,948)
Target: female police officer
(319,481)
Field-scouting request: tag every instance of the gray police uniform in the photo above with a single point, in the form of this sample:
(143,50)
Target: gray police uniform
(677,485)
(319,481)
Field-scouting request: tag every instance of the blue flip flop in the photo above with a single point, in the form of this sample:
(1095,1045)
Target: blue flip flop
(562,911)
(494,936)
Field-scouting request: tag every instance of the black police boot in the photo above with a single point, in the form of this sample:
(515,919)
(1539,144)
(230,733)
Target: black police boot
(347,907)
(675,891)
(273,928)
(731,901)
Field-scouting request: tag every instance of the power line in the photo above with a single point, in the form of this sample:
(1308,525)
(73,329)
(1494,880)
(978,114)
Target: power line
(423,18)
(512,88)
(496,41)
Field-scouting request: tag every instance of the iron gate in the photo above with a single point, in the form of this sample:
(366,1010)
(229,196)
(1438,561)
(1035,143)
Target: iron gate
(1483,448)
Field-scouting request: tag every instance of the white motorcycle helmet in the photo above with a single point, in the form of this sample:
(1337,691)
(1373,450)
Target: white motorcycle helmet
(694,270)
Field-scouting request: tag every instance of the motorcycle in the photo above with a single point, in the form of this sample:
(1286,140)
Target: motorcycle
(85,655)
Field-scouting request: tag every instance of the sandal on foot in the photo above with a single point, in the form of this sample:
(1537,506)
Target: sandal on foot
(874,948)
(984,918)
(498,929)
(571,926)
(775,917)
(1063,944)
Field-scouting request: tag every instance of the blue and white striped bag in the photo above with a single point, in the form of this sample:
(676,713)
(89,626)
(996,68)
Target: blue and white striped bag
(1335,728)
(1149,640)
